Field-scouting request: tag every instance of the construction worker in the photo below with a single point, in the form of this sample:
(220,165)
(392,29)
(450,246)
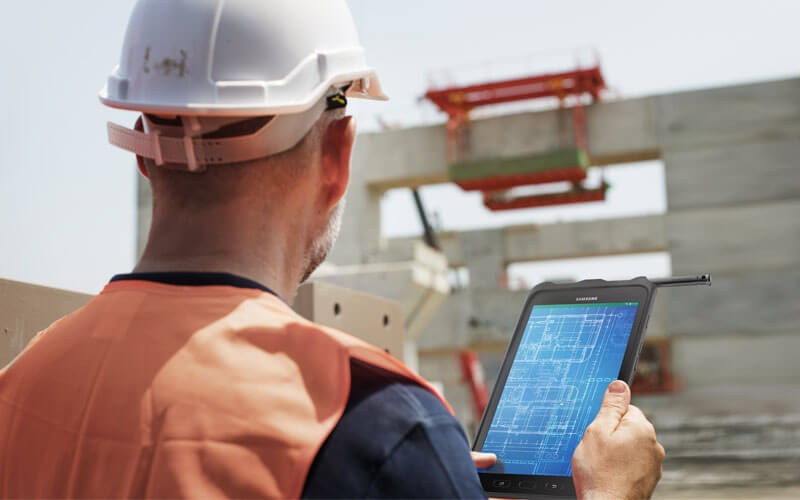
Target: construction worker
(191,376)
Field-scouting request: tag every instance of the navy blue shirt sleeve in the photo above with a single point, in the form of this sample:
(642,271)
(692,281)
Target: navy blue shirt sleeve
(395,440)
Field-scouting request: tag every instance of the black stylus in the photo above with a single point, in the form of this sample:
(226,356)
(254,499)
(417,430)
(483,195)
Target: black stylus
(703,279)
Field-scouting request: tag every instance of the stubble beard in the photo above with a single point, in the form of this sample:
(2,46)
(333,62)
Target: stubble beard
(322,245)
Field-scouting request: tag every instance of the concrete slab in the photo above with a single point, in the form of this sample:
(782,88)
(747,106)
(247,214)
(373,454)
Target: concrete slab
(753,303)
(755,112)
(585,239)
(401,158)
(618,131)
(623,131)
(713,360)
(732,174)
(518,134)
(764,236)
(527,243)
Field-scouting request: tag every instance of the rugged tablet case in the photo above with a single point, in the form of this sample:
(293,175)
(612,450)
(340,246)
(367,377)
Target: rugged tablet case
(598,283)
(641,281)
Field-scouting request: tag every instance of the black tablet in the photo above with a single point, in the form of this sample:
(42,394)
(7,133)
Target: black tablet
(571,341)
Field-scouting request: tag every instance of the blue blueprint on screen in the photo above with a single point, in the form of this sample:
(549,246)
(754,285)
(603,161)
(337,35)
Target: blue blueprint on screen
(566,359)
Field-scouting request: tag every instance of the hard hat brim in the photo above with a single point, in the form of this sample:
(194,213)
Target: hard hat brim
(365,85)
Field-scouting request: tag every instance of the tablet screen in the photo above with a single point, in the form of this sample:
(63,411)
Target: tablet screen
(567,357)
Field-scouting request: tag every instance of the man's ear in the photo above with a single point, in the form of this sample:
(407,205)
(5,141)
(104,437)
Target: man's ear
(337,146)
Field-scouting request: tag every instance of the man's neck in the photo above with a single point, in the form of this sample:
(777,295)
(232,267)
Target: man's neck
(267,254)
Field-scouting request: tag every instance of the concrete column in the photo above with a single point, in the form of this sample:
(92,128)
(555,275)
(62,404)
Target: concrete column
(484,255)
(730,158)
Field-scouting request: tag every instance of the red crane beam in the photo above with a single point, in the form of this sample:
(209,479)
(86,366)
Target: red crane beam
(456,101)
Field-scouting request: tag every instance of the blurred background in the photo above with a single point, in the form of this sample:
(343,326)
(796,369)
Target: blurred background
(525,141)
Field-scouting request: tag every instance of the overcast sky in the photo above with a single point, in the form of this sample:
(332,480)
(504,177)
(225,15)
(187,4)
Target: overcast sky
(67,198)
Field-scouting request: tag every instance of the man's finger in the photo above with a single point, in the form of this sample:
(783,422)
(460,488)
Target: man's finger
(614,406)
(483,460)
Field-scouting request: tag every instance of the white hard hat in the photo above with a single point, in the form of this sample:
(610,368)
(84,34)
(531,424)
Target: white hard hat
(234,58)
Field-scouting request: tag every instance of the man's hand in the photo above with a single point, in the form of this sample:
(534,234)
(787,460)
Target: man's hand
(619,456)
(483,460)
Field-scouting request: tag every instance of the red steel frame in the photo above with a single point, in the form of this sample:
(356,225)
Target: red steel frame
(457,102)
(472,370)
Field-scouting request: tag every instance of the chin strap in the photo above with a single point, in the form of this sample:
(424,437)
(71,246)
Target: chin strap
(192,153)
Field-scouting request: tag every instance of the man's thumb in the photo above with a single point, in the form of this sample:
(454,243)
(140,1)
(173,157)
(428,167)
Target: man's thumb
(614,406)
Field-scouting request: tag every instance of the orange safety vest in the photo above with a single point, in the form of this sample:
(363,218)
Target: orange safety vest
(155,390)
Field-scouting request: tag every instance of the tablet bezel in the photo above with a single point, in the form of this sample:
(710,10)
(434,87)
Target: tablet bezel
(639,290)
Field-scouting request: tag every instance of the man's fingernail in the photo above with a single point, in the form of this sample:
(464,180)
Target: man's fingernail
(617,386)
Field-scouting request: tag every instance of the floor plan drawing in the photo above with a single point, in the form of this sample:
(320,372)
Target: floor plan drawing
(567,357)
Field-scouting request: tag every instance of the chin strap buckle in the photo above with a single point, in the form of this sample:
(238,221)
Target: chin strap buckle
(193,128)
(155,140)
